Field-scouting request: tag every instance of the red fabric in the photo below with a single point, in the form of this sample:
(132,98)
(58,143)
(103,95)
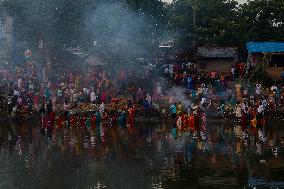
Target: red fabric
(131,116)
(93,121)
(103,97)
(191,122)
(72,121)
(187,122)
(60,122)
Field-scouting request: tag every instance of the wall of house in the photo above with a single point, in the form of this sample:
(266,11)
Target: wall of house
(274,60)
(219,65)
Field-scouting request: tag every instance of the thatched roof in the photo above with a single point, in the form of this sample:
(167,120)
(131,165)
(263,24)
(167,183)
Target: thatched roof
(217,52)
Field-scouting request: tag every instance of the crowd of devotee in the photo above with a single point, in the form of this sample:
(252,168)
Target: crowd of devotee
(179,93)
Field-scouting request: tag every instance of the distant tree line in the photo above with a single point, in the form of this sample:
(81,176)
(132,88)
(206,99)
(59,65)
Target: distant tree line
(142,24)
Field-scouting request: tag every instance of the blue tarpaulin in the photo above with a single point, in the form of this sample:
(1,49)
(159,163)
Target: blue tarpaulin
(265,47)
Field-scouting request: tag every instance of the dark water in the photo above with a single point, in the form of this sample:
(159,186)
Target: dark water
(142,157)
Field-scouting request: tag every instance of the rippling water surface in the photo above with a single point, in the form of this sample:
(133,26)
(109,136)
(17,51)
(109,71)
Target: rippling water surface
(145,156)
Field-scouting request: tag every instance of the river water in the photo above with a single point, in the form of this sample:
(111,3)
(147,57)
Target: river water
(146,156)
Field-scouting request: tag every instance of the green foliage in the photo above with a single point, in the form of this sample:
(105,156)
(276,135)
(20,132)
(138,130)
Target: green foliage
(143,23)
(262,20)
(215,21)
(225,22)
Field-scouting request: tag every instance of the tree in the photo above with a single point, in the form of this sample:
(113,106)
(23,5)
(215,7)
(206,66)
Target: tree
(262,20)
(227,23)
(123,28)
(214,21)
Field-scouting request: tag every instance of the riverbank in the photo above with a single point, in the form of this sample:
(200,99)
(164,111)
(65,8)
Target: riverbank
(276,123)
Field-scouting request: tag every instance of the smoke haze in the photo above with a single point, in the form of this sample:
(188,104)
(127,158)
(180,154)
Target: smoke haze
(121,32)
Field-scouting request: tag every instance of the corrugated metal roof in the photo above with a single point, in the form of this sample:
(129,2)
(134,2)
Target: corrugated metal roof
(265,47)
(217,52)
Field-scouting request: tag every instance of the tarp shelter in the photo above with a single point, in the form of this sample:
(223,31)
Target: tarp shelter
(265,47)
(271,53)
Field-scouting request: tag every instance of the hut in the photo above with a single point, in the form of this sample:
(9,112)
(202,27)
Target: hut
(220,59)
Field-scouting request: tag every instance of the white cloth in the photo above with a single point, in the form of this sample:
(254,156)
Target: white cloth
(260,109)
(93,96)
(233,71)
(102,108)
(244,107)
(258,89)
(264,103)
(273,88)
(166,70)
(203,100)
(195,109)
(16,93)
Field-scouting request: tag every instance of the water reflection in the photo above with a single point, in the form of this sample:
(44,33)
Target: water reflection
(144,156)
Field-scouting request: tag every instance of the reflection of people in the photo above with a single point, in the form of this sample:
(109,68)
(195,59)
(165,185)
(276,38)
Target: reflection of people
(174,131)
(173,110)
(238,111)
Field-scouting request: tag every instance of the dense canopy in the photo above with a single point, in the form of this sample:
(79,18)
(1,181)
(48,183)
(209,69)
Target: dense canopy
(128,29)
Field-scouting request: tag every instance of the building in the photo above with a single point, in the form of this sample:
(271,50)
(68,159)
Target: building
(6,23)
(166,53)
(220,59)
(270,54)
